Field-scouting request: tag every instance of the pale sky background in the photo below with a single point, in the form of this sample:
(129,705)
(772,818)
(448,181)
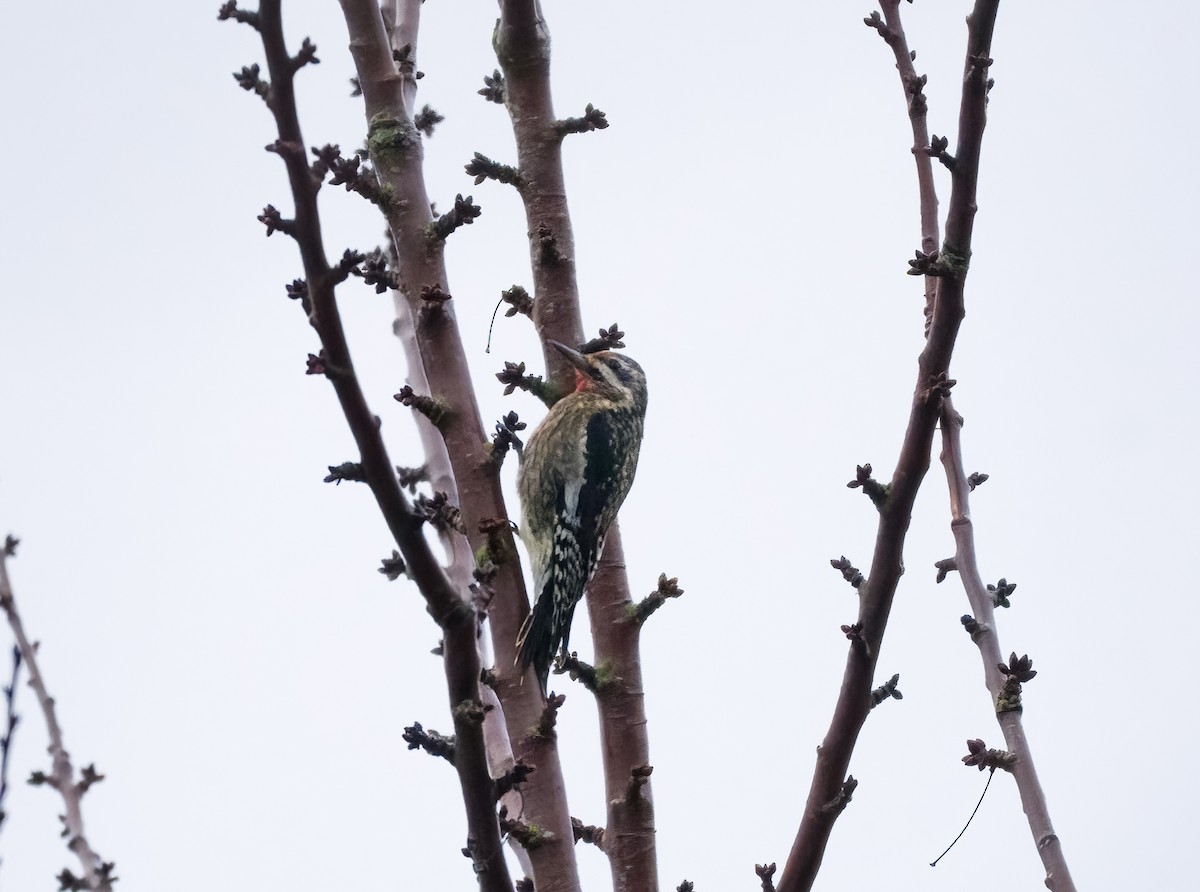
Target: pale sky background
(212,622)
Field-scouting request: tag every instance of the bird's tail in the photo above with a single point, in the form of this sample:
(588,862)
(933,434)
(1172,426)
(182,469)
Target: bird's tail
(536,643)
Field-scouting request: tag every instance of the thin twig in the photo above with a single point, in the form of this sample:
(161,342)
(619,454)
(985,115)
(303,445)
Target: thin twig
(97,874)
(826,794)
(986,637)
(10,727)
(913,85)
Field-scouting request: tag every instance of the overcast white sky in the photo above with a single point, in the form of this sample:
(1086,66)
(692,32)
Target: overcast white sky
(212,624)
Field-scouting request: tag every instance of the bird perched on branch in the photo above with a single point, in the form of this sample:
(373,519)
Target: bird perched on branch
(576,471)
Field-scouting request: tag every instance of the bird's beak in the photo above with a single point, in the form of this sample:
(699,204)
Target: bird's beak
(574,357)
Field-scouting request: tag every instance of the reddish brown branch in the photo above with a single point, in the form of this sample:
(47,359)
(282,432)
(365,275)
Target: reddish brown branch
(522,43)
(97,874)
(828,794)
(374,465)
(396,151)
(985,636)
(447,604)
(624,743)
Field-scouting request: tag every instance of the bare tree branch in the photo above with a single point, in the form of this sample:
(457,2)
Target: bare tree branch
(438,469)
(649,605)
(522,42)
(913,84)
(588,833)
(11,720)
(986,637)
(449,607)
(97,874)
(389,92)
(828,795)
(624,744)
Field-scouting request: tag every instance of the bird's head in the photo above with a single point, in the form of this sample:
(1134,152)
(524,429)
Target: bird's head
(609,374)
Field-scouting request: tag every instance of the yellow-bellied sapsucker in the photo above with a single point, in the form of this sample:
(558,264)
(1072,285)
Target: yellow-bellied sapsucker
(575,473)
